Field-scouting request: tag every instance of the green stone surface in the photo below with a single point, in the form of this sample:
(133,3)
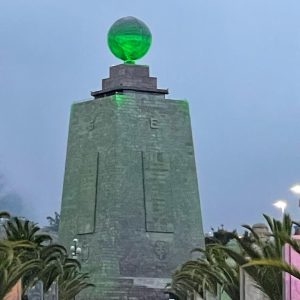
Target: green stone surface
(129,39)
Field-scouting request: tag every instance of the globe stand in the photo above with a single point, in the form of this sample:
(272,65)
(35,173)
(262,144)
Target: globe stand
(129,77)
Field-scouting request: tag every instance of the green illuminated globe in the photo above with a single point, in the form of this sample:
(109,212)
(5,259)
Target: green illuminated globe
(129,39)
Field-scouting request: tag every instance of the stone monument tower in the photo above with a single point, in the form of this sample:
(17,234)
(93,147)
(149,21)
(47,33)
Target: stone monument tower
(130,192)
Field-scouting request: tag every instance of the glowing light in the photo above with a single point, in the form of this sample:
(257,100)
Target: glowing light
(119,99)
(129,39)
(295,189)
(280,204)
(184,105)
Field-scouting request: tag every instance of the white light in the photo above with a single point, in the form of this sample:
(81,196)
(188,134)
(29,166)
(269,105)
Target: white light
(78,250)
(72,248)
(295,189)
(280,204)
(75,240)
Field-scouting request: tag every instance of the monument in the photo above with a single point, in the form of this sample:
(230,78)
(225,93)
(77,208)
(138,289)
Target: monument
(130,192)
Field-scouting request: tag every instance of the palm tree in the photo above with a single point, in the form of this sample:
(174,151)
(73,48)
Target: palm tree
(269,279)
(54,222)
(72,281)
(208,273)
(260,257)
(13,266)
(54,264)
(54,259)
(17,229)
(51,258)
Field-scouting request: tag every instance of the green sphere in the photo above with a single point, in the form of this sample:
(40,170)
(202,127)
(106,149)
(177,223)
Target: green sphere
(129,39)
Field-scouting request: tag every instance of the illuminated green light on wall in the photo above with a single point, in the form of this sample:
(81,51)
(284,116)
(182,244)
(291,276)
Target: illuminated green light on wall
(129,39)
(185,106)
(119,99)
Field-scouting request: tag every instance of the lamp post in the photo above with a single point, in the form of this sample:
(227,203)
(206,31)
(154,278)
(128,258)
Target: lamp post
(76,250)
(281,204)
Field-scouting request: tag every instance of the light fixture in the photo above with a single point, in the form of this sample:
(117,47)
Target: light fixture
(75,249)
(295,189)
(280,204)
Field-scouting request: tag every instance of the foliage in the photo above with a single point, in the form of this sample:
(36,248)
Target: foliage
(26,254)
(71,281)
(221,236)
(54,222)
(213,269)
(259,255)
(14,263)
(17,229)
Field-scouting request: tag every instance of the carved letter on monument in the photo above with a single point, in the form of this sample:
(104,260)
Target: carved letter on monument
(154,123)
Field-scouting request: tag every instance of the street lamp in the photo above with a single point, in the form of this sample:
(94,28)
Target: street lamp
(295,189)
(76,250)
(280,204)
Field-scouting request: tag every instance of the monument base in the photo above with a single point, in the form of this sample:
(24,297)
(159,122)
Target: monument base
(128,289)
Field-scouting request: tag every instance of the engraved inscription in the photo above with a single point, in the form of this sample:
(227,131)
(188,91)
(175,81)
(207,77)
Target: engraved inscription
(154,123)
(157,192)
(161,249)
(87,195)
(85,252)
(91,125)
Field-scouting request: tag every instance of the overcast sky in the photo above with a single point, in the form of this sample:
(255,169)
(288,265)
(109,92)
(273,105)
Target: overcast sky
(237,63)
